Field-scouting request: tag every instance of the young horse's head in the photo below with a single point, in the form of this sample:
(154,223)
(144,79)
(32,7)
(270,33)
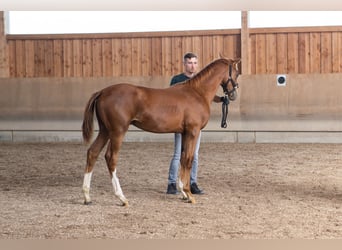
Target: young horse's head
(229,83)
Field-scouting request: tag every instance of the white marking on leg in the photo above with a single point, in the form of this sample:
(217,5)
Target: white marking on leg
(181,186)
(117,189)
(86,186)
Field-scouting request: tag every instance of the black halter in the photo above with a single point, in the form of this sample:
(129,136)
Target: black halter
(230,79)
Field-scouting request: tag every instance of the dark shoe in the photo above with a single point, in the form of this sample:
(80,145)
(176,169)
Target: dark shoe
(195,190)
(172,188)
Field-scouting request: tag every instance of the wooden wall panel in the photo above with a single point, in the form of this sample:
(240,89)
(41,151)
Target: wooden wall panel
(303,53)
(116,56)
(136,57)
(39,58)
(197,48)
(20,58)
(87,62)
(166,56)
(315,52)
(58,65)
(29,59)
(68,58)
(97,58)
(282,52)
(260,45)
(253,54)
(177,55)
(292,53)
(336,51)
(271,51)
(207,46)
(48,52)
(156,56)
(77,58)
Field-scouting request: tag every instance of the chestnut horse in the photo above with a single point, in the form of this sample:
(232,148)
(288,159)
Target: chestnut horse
(183,108)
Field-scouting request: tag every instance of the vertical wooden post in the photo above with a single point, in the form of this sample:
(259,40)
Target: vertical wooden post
(245,44)
(4,63)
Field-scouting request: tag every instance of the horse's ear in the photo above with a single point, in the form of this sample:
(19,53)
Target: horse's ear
(236,63)
(221,56)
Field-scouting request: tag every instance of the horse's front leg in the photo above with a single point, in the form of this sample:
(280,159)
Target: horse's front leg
(187,156)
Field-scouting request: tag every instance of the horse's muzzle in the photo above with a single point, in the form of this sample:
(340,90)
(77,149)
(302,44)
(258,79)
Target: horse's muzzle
(233,95)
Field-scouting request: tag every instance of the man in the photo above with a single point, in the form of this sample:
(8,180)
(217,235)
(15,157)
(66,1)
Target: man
(190,62)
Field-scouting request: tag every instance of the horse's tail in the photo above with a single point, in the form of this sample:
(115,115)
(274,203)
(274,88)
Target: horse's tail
(88,118)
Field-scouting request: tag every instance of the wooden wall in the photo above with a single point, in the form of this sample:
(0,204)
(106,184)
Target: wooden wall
(129,54)
(271,51)
(303,50)
(296,50)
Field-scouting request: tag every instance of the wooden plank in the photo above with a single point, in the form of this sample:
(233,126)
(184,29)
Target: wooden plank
(271,53)
(87,65)
(208,55)
(29,58)
(156,58)
(68,58)
(315,52)
(218,47)
(116,57)
(252,54)
(167,56)
(11,58)
(107,60)
(48,66)
(97,57)
(177,55)
(197,49)
(20,58)
(237,53)
(326,53)
(77,58)
(260,54)
(58,63)
(336,52)
(126,66)
(303,53)
(282,53)
(292,53)
(229,46)
(136,57)
(39,58)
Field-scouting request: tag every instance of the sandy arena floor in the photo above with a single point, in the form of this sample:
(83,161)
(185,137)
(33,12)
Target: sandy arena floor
(252,191)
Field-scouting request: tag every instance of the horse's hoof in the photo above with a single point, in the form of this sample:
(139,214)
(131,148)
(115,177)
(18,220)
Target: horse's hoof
(192,201)
(125,204)
(88,202)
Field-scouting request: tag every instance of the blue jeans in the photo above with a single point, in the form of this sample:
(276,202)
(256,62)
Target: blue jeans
(175,162)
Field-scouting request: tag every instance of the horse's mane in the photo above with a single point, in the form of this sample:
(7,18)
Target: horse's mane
(198,78)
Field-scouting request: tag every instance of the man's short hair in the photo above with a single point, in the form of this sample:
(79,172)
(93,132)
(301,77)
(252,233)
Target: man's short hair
(189,55)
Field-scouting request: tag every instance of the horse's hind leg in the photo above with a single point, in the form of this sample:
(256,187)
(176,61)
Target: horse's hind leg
(92,155)
(188,147)
(111,156)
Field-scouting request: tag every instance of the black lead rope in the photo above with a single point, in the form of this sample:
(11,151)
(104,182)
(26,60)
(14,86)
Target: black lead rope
(224,111)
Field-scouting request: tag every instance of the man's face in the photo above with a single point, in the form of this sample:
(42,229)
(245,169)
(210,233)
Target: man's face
(191,65)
